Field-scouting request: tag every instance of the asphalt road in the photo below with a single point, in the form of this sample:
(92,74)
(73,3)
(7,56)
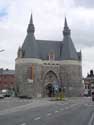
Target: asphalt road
(10,102)
(73,112)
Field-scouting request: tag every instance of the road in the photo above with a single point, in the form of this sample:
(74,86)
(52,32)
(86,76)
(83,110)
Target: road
(78,111)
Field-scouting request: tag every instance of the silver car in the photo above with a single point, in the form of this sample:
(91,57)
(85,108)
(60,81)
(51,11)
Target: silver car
(1,96)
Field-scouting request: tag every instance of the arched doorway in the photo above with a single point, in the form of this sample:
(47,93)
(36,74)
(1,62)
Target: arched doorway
(51,84)
(49,90)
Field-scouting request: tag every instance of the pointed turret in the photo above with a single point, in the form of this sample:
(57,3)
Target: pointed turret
(68,51)
(31,19)
(31,28)
(66,30)
(20,53)
(66,25)
(30,46)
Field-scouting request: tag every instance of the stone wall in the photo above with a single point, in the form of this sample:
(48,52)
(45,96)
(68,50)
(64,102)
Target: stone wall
(25,87)
(68,73)
(71,77)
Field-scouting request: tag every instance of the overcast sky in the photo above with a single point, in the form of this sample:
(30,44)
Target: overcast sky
(48,18)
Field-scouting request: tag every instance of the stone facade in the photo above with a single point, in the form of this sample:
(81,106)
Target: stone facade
(43,67)
(67,75)
(71,78)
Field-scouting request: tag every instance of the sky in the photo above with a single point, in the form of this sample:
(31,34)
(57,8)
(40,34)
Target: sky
(48,18)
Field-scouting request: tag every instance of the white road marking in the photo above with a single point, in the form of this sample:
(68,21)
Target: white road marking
(91,120)
(23,124)
(37,118)
(49,114)
(56,111)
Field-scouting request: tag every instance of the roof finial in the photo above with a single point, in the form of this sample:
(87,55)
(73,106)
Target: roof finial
(31,19)
(66,25)
(66,30)
(31,28)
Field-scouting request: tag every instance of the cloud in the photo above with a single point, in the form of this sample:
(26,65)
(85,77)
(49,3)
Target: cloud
(81,22)
(48,18)
(88,60)
(85,3)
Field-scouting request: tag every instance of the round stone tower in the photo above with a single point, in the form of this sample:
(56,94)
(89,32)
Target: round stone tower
(71,67)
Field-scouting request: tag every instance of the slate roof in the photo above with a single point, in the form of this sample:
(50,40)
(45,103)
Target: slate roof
(30,47)
(45,47)
(68,50)
(63,50)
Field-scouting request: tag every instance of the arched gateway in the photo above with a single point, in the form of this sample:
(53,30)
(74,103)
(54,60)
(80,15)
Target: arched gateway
(60,62)
(51,84)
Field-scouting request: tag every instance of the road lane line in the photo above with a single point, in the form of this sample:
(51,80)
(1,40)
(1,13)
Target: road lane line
(91,119)
(23,124)
(37,118)
(49,114)
(56,111)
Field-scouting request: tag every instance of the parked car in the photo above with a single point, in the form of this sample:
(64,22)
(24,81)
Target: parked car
(1,96)
(6,93)
(86,92)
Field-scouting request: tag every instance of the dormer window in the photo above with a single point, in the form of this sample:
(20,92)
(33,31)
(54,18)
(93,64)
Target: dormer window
(51,56)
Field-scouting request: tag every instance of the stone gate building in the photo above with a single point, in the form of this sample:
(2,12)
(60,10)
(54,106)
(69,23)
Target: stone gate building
(45,66)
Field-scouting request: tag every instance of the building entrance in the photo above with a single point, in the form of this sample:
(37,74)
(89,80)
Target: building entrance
(51,84)
(49,90)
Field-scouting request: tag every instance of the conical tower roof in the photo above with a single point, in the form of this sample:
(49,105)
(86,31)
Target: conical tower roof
(66,25)
(29,46)
(66,30)
(68,51)
(31,28)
